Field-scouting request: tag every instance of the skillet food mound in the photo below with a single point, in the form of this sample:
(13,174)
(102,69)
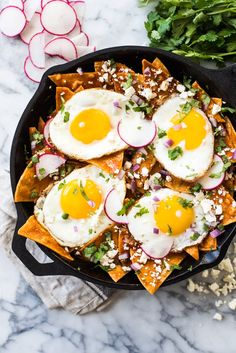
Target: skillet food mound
(131,171)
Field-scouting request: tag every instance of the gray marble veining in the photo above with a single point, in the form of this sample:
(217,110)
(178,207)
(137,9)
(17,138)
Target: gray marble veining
(172,321)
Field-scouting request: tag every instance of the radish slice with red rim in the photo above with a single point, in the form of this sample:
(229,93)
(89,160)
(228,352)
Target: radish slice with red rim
(113,204)
(31,7)
(36,50)
(33,27)
(136,132)
(58,17)
(158,247)
(32,72)
(12,21)
(17,3)
(214,176)
(48,163)
(81,50)
(44,2)
(81,40)
(46,132)
(62,47)
(79,7)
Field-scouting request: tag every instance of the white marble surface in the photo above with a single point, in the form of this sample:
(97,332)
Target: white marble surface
(173,321)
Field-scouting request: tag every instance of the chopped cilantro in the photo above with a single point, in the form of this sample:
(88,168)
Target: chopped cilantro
(128,83)
(139,127)
(141,212)
(161,133)
(89,250)
(66,117)
(34,194)
(175,267)
(169,229)
(205,98)
(196,188)
(175,153)
(186,108)
(185,203)
(64,215)
(190,268)
(220,227)
(83,193)
(90,231)
(195,236)
(228,110)
(206,228)
(102,175)
(61,185)
(144,107)
(37,137)
(42,171)
(125,208)
(34,160)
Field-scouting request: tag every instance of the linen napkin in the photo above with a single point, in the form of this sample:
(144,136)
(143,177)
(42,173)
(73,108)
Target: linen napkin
(66,292)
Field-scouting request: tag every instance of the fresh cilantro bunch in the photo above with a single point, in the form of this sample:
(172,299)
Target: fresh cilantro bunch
(203,29)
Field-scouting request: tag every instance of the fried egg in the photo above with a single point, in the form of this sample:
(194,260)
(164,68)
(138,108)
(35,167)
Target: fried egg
(185,142)
(73,209)
(167,213)
(86,126)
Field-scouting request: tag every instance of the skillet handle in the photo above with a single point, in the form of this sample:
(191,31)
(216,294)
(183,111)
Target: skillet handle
(224,81)
(38,269)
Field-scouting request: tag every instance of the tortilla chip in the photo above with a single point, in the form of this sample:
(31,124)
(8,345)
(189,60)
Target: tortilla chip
(193,251)
(74,80)
(110,164)
(227,202)
(200,95)
(230,137)
(208,244)
(41,125)
(178,185)
(138,82)
(29,187)
(64,92)
(147,274)
(104,69)
(34,231)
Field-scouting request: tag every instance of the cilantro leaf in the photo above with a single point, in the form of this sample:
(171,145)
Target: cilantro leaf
(175,153)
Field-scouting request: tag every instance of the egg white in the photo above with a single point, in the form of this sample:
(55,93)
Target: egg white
(193,164)
(49,212)
(142,227)
(100,99)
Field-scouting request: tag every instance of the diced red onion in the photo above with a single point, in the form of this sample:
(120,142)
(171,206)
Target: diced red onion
(135,266)
(215,233)
(80,71)
(155,230)
(136,167)
(156,187)
(116,104)
(133,186)
(142,150)
(147,71)
(168,143)
(76,229)
(234,154)
(121,174)
(163,172)
(177,127)
(156,199)
(91,203)
(136,99)
(213,122)
(123,256)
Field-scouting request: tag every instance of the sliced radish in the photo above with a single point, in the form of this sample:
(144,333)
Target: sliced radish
(79,7)
(17,3)
(214,176)
(30,8)
(158,247)
(36,50)
(12,21)
(46,133)
(81,40)
(63,47)
(113,205)
(32,72)
(48,163)
(58,17)
(81,50)
(44,2)
(33,27)
(136,132)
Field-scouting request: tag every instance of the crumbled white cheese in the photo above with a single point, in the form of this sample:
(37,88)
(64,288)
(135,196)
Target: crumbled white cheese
(218,303)
(214,288)
(127,165)
(232,304)
(226,265)
(205,274)
(180,88)
(207,205)
(126,268)
(168,178)
(148,94)
(215,273)
(218,210)
(146,185)
(216,109)
(183,95)
(144,172)
(217,316)
(164,85)
(143,258)
(129,92)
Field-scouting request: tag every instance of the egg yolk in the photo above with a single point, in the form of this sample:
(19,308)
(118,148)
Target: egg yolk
(192,131)
(90,125)
(80,201)
(171,217)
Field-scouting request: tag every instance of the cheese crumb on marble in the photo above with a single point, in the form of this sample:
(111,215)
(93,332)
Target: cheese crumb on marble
(218,317)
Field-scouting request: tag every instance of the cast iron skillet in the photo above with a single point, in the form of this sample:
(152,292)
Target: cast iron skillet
(219,83)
